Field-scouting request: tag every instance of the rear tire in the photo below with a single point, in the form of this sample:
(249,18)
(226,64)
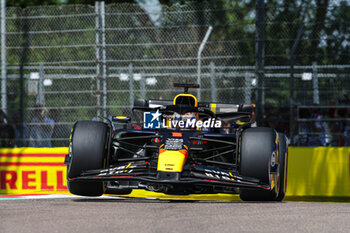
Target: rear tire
(88,152)
(257,147)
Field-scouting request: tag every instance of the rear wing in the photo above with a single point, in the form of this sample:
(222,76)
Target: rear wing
(227,108)
(216,108)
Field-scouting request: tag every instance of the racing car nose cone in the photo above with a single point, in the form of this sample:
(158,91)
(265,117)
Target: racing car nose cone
(171,160)
(168,175)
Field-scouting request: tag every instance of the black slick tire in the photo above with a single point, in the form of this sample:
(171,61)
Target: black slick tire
(88,152)
(256,149)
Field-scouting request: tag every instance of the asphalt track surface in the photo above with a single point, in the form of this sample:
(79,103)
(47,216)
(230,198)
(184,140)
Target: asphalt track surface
(96,215)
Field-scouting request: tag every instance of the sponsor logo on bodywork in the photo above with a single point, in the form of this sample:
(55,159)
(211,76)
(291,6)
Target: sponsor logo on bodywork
(152,120)
(117,170)
(173,144)
(219,174)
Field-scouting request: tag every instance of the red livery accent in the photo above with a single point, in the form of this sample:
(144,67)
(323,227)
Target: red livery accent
(216,181)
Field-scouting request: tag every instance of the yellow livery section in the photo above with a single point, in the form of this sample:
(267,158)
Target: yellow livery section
(185,99)
(171,160)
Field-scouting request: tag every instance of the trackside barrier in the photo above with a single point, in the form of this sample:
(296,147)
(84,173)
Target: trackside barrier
(312,172)
(33,171)
(318,172)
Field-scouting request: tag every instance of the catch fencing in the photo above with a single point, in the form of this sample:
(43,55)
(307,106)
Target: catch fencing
(83,61)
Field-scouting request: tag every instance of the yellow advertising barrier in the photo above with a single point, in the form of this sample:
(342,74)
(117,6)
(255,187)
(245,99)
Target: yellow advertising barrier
(312,172)
(33,171)
(318,172)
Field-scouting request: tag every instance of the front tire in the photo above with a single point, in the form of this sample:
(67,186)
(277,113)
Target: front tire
(88,152)
(258,159)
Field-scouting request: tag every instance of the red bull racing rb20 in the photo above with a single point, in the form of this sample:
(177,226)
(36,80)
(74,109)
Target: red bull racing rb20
(179,147)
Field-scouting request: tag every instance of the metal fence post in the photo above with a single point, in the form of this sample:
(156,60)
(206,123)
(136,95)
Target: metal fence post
(199,57)
(292,94)
(260,58)
(104,66)
(143,86)
(213,81)
(131,86)
(3,57)
(40,99)
(97,30)
(315,83)
(247,88)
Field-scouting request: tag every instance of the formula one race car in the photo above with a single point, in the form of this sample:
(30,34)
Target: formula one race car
(179,147)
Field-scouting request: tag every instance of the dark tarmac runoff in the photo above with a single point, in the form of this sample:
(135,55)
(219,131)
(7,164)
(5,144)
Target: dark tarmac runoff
(85,215)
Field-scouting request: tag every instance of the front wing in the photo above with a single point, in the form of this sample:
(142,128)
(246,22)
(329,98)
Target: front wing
(191,175)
